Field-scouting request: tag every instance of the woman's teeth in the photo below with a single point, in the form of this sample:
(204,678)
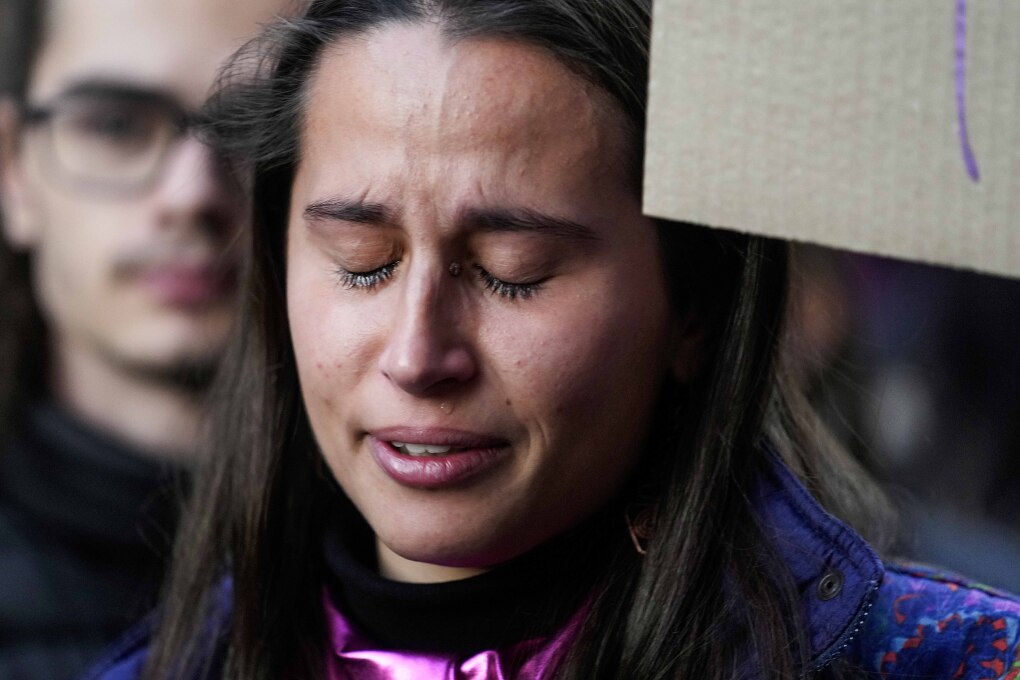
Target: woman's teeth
(422,449)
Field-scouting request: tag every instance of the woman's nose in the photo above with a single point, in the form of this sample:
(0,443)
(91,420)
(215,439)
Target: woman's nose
(427,351)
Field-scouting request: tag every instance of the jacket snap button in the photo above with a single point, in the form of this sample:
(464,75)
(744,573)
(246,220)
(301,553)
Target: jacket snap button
(830,585)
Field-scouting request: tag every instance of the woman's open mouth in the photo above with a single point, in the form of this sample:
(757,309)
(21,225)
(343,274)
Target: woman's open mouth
(435,459)
(425,449)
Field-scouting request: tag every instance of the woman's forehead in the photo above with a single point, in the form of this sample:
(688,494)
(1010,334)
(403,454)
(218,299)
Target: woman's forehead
(406,100)
(411,78)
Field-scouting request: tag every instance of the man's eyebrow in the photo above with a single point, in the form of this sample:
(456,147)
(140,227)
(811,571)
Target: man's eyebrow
(526,220)
(346,210)
(113,89)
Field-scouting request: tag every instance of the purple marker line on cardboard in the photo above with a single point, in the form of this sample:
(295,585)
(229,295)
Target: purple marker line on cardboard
(961,89)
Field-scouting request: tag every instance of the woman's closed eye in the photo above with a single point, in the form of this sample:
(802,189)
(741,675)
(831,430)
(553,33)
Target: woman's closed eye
(366,280)
(370,279)
(508,290)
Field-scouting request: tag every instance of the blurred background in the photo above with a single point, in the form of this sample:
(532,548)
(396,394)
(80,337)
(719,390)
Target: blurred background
(916,369)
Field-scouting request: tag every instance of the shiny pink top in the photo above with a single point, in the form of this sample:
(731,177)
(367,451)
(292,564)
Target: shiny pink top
(352,657)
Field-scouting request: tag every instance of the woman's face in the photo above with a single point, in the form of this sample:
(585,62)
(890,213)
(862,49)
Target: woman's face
(475,300)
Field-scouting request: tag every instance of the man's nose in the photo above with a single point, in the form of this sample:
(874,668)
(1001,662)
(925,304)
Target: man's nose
(195,189)
(428,351)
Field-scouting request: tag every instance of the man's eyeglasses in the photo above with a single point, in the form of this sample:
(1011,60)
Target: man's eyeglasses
(111,142)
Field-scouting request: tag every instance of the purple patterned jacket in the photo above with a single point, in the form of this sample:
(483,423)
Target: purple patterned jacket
(893,622)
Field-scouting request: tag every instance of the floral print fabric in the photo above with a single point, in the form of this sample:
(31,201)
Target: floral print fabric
(928,624)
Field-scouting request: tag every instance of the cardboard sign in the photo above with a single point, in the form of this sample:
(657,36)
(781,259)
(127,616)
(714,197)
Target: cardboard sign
(883,126)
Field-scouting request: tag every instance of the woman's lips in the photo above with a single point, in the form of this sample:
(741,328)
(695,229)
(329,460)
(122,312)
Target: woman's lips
(426,458)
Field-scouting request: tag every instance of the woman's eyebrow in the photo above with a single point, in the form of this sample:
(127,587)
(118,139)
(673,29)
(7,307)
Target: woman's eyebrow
(345,210)
(527,220)
(478,219)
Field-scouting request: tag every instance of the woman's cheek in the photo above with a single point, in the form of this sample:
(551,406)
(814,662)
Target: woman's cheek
(319,344)
(600,355)
(552,359)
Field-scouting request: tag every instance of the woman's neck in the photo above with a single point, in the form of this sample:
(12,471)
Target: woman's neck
(529,597)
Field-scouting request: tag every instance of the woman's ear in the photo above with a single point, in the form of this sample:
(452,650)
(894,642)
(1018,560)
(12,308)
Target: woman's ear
(19,222)
(687,347)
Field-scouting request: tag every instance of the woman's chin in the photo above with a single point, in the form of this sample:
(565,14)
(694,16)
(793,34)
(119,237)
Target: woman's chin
(437,558)
(399,568)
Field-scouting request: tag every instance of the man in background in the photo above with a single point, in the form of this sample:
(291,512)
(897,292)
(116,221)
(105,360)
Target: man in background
(117,276)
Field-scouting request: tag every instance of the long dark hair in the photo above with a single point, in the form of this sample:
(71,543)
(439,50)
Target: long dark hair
(256,514)
(22,333)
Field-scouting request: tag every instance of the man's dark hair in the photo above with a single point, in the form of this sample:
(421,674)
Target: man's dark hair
(20,29)
(22,336)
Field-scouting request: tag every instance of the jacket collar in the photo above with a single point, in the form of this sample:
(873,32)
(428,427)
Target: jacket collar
(835,571)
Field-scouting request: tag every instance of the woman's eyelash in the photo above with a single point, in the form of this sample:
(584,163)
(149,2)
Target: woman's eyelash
(366,280)
(505,289)
(370,279)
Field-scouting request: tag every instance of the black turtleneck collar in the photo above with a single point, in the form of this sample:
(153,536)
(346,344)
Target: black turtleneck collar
(77,482)
(85,532)
(531,596)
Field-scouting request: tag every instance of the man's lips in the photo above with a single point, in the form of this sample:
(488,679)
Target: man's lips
(187,284)
(434,458)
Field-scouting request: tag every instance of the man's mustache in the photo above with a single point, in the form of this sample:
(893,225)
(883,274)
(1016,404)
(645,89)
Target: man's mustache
(196,256)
